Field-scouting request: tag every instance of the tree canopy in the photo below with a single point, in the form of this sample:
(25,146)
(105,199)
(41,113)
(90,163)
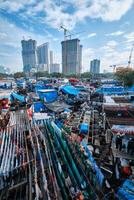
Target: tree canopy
(3,75)
(125,75)
(57,75)
(41,74)
(86,75)
(19,75)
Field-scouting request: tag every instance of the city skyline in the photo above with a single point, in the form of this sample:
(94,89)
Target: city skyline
(105,29)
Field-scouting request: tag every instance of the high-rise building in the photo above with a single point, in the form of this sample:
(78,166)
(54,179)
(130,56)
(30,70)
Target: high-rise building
(55,67)
(51,58)
(43,54)
(80,57)
(95,66)
(29,54)
(42,67)
(71,56)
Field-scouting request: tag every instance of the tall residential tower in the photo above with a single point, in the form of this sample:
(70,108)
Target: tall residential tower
(95,66)
(71,56)
(51,57)
(43,56)
(29,54)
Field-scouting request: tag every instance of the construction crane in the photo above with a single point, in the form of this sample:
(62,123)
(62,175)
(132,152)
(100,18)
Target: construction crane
(65,32)
(130,57)
(70,34)
(74,34)
(114,67)
(65,52)
(129,60)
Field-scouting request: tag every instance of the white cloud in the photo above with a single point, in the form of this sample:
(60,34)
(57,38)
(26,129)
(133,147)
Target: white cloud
(91,35)
(2,54)
(109,48)
(112,43)
(87,55)
(3,35)
(125,24)
(112,10)
(104,9)
(55,39)
(15,5)
(115,57)
(55,12)
(111,55)
(129,37)
(117,33)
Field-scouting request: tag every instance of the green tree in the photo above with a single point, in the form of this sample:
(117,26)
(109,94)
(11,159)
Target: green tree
(125,75)
(86,75)
(73,76)
(41,74)
(3,75)
(19,75)
(57,75)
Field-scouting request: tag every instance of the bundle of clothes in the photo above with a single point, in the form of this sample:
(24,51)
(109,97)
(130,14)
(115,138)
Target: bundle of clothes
(4,119)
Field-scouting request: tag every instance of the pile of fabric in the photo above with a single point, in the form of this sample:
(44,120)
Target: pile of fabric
(4,119)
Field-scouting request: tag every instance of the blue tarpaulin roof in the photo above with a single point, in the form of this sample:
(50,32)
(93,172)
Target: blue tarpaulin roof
(126,192)
(42,87)
(68,89)
(115,90)
(19,97)
(131,89)
(111,90)
(21,83)
(38,106)
(84,128)
(49,95)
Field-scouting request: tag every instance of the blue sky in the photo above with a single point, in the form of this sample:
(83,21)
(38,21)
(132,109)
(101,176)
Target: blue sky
(104,27)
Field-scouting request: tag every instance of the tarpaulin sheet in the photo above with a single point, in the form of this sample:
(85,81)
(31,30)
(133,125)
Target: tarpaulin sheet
(42,86)
(57,106)
(126,192)
(111,90)
(39,87)
(38,106)
(48,95)
(5,85)
(21,83)
(73,80)
(97,170)
(19,97)
(115,90)
(84,127)
(67,110)
(131,89)
(123,129)
(68,89)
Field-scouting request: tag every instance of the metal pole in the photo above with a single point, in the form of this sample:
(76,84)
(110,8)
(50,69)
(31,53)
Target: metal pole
(92,124)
